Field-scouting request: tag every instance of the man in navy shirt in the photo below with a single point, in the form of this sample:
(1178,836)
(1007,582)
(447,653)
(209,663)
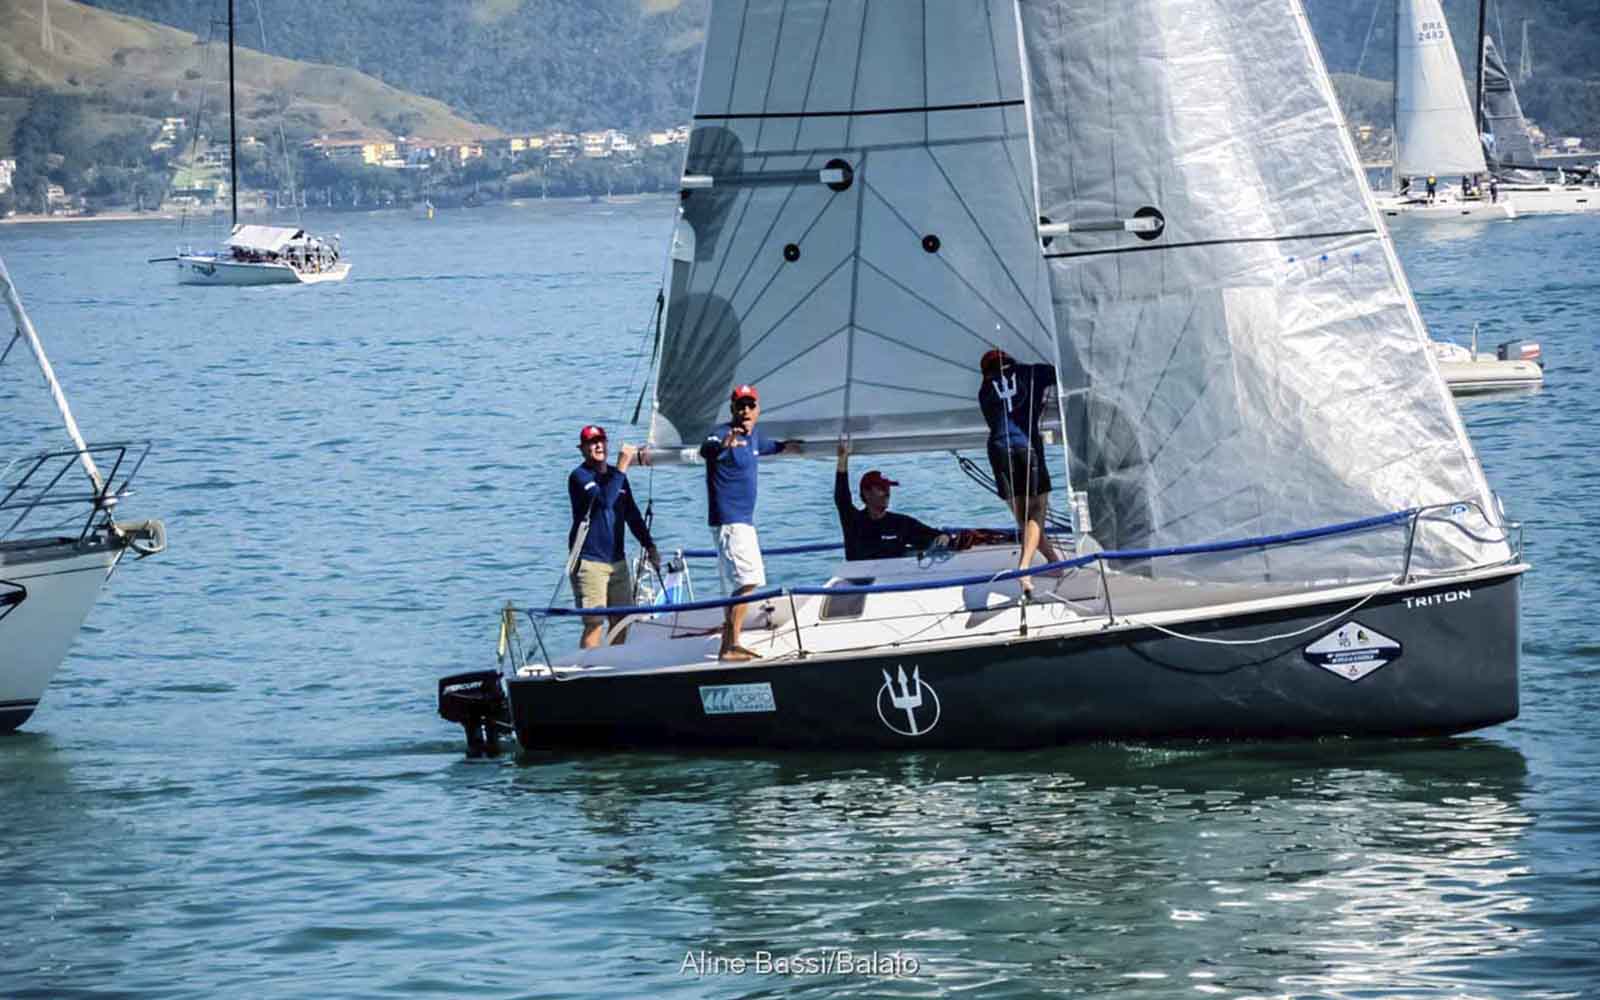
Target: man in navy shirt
(601,503)
(1012,399)
(732,452)
(875,533)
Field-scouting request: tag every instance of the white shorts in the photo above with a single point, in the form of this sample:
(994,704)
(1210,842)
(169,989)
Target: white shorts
(738,556)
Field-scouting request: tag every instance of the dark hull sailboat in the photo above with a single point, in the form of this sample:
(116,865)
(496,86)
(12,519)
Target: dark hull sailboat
(1282,529)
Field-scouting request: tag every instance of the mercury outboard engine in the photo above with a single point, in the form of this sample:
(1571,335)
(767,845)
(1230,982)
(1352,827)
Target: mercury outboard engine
(478,702)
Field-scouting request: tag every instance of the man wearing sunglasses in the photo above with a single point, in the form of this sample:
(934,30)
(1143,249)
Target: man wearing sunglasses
(732,451)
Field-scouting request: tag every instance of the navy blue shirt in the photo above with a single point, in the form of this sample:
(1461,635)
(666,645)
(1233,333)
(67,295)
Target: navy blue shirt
(731,474)
(889,537)
(604,498)
(1013,404)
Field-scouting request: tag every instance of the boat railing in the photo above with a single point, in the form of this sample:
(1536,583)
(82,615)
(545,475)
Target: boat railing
(1411,520)
(34,486)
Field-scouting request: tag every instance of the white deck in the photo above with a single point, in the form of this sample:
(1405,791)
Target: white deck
(942,618)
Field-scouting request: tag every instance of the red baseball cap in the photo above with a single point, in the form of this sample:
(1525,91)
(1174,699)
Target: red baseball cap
(591,432)
(876,480)
(993,360)
(744,392)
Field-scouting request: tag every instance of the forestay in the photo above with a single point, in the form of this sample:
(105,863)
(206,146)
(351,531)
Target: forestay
(857,226)
(1435,130)
(1508,144)
(1259,365)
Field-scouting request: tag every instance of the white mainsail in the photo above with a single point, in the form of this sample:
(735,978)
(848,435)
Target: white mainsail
(857,227)
(1259,365)
(1435,131)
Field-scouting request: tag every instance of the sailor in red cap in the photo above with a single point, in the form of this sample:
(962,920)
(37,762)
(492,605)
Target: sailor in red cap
(1012,399)
(874,532)
(732,451)
(601,504)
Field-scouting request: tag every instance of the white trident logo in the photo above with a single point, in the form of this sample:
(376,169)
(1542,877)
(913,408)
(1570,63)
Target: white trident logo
(1005,388)
(908,697)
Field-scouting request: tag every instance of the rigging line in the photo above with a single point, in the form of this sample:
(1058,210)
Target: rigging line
(638,355)
(1387,586)
(945,261)
(283,139)
(1376,6)
(1231,241)
(194,140)
(861,113)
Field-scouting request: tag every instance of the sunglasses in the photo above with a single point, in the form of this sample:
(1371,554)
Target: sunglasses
(745,404)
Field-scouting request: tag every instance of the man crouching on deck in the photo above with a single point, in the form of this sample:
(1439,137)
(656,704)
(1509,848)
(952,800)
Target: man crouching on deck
(731,451)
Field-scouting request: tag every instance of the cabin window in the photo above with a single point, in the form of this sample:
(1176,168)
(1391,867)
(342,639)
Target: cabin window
(846,605)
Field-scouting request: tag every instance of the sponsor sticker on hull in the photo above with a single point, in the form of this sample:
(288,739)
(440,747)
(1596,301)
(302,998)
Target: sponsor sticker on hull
(737,699)
(1353,651)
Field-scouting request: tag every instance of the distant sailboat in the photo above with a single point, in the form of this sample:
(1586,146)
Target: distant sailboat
(1435,137)
(1535,189)
(259,255)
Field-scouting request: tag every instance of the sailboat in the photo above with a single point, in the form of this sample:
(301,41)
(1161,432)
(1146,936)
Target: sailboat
(254,254)
(59,540)
(1281,527)
(1509,149)
(1435,137)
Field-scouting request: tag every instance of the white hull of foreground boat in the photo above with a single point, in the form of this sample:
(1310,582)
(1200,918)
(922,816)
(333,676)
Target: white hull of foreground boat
(50,585)
(203,270)
(1552,199)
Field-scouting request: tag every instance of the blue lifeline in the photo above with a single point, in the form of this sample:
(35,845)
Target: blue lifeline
(731,474)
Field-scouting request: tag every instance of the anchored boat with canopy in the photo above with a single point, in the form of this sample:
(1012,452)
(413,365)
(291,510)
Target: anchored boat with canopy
(1280,525)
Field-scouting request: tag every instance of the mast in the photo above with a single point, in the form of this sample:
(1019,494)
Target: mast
(233,128)
(1477,102)
(28,333)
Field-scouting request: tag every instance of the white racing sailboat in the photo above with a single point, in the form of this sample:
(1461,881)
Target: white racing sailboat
(1535,189)
(59,540)
(1435,139)
(258,255)
(1288,533)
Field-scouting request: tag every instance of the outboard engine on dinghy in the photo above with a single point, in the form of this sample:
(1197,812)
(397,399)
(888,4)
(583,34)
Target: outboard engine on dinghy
(1520,350)
(477,701)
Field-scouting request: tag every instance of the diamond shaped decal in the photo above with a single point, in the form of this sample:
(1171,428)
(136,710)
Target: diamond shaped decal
(1353,651)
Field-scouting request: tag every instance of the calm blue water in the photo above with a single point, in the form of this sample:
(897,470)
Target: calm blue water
(237,786)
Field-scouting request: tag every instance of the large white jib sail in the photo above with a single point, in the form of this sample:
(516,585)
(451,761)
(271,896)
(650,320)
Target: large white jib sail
(857,223)
(1434,127)
(1258,365)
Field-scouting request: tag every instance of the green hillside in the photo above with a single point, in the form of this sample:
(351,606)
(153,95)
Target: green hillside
(134,73)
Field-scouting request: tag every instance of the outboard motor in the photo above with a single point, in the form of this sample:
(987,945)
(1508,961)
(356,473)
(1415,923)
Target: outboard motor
(477,701)
(1520,350)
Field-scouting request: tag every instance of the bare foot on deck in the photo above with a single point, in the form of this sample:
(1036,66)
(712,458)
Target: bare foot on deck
(738,654)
